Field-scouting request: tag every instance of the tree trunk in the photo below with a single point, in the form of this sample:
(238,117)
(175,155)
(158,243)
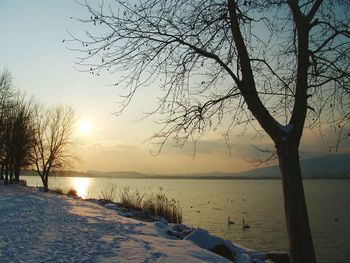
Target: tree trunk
(2,172)
(46,183)
(11,172)
(44,178)
(17,171)
(300,241)
(6,181)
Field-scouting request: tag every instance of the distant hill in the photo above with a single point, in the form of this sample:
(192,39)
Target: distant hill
(328,166)
(118,174)
(64,173)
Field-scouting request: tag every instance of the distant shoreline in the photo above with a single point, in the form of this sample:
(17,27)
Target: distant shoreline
(329,167)
(184,177)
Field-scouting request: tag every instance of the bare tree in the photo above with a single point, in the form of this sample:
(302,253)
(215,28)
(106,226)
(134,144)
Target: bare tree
(16,140)
(52,129)
(22,144)
(6,88)
(279,65)
(6,94)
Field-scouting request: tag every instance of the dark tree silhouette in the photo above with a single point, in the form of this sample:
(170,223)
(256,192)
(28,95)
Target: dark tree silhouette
(5,84)
(52,131)
(280,65)
(22,135)
(16,138)
(6,94)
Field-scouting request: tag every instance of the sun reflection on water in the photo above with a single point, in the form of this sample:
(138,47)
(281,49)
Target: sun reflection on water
(81,185)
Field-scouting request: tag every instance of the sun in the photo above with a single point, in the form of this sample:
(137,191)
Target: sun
(85,126)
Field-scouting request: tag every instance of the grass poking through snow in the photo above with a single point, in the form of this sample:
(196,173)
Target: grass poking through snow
(110,193)
(58,191)
(155,204)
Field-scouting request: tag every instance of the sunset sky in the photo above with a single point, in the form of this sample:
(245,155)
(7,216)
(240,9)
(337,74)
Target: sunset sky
(42,66)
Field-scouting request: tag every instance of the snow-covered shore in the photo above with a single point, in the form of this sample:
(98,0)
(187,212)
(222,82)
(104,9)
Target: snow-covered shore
(47,227)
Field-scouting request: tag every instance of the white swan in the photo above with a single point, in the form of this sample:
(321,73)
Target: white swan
(245,226)
(229,221)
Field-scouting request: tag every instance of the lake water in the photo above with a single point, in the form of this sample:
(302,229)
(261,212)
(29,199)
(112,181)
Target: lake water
(208,203)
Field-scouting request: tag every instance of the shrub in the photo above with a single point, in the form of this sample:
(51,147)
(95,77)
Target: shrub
(72,192)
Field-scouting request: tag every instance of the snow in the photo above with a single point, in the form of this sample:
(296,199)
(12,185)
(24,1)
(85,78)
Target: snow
(285,128)
(244,258)
(204,239)
(47,227)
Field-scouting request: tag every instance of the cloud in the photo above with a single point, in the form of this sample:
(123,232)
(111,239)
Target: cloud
(320,143)
(110,146)
(114,155)
(236,146)
(212,154)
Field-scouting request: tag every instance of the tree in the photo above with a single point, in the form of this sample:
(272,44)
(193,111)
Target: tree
(16,140)
(6,87)
(52,129)
(6,94)
(281,65)
(22,143)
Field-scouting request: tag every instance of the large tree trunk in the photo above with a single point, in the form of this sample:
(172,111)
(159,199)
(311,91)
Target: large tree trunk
(44,178)
(300,241)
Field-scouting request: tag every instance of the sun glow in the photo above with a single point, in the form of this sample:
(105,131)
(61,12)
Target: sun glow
(81,185)
(85,126)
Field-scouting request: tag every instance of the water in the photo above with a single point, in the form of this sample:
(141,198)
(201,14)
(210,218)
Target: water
(208,203)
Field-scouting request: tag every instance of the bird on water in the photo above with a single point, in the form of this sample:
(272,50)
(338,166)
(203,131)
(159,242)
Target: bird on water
(244,225)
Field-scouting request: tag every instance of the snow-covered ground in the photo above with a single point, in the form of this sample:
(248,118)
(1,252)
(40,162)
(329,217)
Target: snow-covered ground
(47,227)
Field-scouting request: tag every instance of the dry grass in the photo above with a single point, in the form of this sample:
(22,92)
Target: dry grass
(160,205)
(131,199)
(58,191)
(157,205)
(110,193)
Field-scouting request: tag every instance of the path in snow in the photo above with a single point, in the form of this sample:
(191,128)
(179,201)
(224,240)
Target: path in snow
(47,227)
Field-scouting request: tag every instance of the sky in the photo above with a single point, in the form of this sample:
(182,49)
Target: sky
(42,66)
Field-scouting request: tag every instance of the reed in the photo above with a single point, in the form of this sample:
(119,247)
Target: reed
(110,193)
(155,204)
(131,199)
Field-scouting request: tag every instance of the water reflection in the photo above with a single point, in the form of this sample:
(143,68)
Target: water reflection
(81,185)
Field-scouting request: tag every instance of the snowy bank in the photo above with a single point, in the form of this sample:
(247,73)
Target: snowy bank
(47,227)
